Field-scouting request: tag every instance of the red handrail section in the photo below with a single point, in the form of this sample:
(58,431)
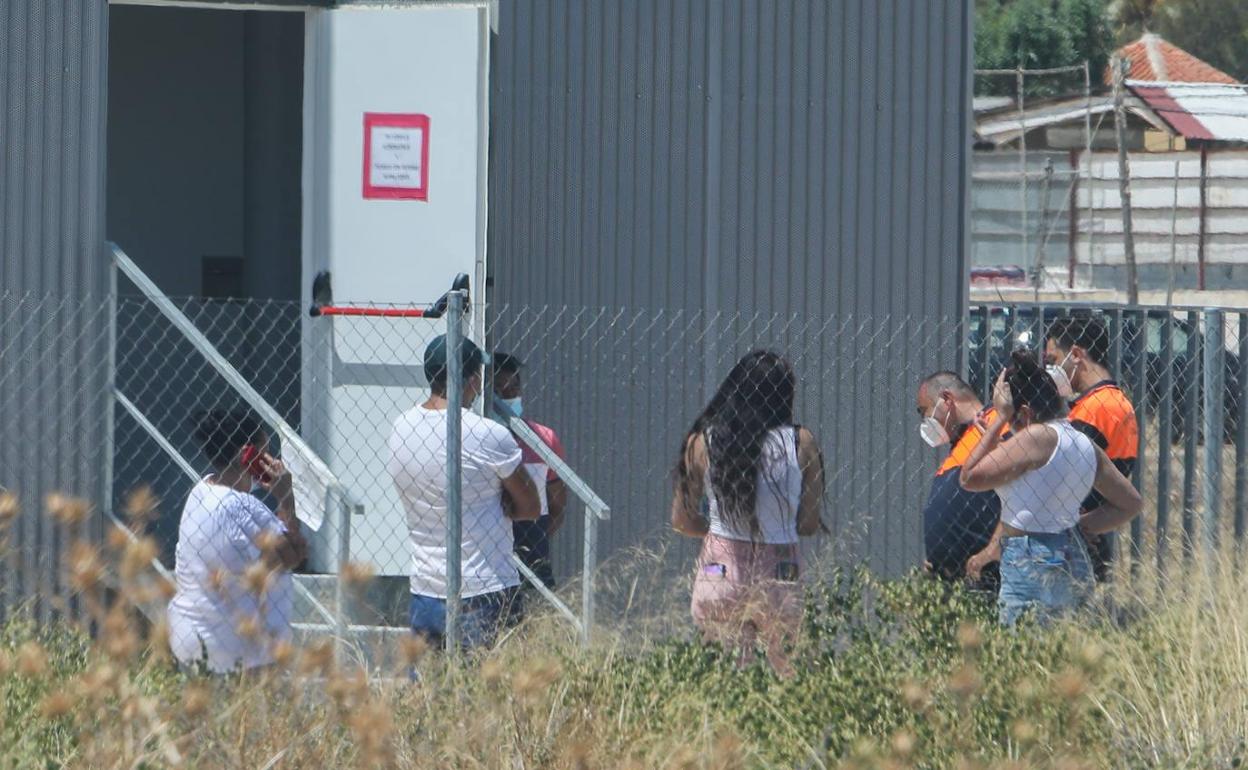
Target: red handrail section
(376,312)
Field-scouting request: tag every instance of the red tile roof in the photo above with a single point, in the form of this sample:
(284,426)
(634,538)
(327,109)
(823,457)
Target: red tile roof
(1153,58)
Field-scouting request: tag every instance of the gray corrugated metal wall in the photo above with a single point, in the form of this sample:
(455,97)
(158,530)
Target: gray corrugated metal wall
(52,362)
(805,161)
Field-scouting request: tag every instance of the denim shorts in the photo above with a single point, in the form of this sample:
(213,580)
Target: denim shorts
(480,617)
(1043,575)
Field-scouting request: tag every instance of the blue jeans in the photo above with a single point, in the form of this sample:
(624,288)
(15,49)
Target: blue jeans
(480,617)
(1044,575)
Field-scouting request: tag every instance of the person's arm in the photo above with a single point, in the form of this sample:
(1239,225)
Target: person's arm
(686,518)
(1122,501)
(556,490)
(1003,403)
(291,548)
(525,505)
(993,464)
(990,554)
(557,502)
(499,451)
(810,460)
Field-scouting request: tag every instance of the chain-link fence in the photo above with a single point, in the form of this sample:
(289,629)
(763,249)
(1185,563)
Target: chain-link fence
(48,441)
(1182,372)
(614,405)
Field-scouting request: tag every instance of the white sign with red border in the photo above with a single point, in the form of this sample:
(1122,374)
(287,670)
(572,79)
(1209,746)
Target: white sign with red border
(396,156)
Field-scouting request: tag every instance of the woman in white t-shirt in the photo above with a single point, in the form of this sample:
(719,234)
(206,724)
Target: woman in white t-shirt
(1042,475)
(234,555)
(760,477)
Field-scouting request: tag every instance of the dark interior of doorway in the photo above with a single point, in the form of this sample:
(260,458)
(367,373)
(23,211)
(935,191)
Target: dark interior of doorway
(205,133)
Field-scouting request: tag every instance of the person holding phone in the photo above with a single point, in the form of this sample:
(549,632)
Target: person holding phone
(749,483)
(1042,475)
(234,555)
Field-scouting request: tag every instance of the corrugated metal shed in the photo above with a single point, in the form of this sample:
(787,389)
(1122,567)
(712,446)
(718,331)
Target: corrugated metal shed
(52,269)
(724,175)
(1211,112)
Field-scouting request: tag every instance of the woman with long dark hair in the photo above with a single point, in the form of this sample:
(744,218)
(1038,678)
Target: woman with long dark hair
(749,483)
(1042,475)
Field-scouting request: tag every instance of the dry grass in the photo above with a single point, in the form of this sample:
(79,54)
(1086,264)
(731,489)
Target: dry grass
(890,675)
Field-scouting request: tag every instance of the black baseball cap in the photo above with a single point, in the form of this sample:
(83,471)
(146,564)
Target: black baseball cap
(435,358)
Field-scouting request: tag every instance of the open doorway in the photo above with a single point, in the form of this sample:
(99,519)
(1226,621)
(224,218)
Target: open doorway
(205,134)
(204,194)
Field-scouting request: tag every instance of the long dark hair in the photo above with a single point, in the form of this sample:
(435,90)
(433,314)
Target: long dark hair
(1032,387)
(755,398)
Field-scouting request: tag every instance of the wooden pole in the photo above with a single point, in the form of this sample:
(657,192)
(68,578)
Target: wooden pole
(1174,237)
(1124,180)
(1203,216)
(1038,278)
(1087,163)
(1019,85)
(1073,234)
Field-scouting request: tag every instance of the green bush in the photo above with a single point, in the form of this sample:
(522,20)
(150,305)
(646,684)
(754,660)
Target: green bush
(888,674)
(910,662)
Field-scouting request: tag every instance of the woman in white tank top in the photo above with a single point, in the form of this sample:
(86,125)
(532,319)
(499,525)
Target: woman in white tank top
(749,484)
(1042,475)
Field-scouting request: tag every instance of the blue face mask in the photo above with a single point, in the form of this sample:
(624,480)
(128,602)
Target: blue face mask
(514,404)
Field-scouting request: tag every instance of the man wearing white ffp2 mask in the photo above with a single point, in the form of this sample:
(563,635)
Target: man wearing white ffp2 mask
(1065,387)
(1078,351)
(956,523)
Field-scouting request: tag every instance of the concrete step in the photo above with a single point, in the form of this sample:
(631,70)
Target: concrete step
(383,601)
(377,649)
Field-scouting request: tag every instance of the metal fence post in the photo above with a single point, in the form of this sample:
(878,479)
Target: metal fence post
(340,592)
(110,398)
(1116,331)
(454,499)
(1214,403)
(591,566)
(1013,328)
(985,341)
(1116,328)
(1140,391)
(1191,426)
(1241,429)
(1165,436)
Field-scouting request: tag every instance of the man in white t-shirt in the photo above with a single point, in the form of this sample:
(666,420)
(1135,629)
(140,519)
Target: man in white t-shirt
(491,464)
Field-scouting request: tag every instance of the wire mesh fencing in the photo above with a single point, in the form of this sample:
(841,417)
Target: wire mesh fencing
(53,425)
(1181,371)
(590,436)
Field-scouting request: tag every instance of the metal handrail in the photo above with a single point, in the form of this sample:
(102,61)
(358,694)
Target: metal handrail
(288,434)
(231,375)
(545,592)
(576,484)
(156,435)
(595,510)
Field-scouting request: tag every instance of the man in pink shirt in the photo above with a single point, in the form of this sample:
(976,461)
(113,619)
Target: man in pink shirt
(532,538)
